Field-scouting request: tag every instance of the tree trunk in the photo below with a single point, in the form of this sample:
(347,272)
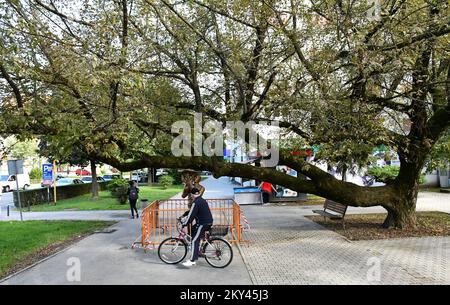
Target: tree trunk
(150,176)
(401,217)
(95,185)
(402,212)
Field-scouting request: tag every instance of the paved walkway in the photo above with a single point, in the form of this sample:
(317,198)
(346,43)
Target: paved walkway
(284,248)
(216,188)
(67,215)
(287,248)
(109,259)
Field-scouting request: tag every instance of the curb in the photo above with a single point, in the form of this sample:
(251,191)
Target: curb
(250,273)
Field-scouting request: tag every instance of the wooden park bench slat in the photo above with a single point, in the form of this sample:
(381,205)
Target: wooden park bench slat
(337,208)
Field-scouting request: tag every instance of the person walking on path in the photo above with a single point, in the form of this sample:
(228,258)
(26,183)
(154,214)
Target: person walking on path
(267,189)
(133,195)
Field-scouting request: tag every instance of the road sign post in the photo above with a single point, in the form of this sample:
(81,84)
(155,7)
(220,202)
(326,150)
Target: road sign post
(47,177)
(15,167)
(54,182)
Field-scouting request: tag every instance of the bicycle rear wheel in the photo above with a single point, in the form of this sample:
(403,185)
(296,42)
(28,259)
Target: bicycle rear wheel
(218,252)
(172,250)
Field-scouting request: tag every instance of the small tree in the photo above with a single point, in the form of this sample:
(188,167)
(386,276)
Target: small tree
(387,174)
(36,173)
(118,189)
(166,181)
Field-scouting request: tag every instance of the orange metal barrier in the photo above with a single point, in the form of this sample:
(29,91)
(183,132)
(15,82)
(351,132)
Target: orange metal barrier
(159,219)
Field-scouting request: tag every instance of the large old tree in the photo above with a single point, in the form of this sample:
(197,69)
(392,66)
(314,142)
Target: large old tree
(112,76)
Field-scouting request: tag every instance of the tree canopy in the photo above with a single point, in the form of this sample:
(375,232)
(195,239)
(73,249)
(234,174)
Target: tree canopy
(112,77)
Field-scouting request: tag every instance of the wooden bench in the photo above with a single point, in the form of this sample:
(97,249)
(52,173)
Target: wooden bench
(337,208)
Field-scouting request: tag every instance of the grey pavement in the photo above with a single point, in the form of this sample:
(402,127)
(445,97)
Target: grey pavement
(109,259)
(67,215)
(6,199)
(286,248)
(216,188)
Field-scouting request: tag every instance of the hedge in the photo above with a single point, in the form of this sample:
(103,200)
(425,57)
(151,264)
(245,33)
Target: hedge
(40,196)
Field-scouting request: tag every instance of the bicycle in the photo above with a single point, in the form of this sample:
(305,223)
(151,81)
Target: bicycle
(216,250)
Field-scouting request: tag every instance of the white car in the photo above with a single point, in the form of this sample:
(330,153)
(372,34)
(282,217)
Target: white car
(8,183)
(161,171)
(68,181)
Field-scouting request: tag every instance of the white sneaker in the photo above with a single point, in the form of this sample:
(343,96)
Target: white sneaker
(189,263)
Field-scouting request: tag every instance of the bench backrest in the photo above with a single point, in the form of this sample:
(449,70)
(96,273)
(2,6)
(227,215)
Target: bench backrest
(335,206)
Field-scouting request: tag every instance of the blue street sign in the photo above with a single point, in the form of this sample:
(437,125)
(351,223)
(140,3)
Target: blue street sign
(47,172)
(15,167)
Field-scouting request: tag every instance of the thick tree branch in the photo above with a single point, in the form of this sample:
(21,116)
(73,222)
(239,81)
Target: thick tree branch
(13,85)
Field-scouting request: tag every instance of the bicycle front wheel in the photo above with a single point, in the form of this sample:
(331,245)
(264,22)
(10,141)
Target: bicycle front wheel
(172,250)
(218,252)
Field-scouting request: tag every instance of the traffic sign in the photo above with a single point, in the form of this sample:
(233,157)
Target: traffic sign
(47,172)
(15,167)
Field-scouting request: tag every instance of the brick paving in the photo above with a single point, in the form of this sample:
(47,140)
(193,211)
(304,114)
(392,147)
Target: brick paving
(286,248)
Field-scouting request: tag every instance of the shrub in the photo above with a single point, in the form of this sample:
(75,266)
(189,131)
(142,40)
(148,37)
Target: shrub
(41,195)
(387,174)
(36,173)
(175,174)
(166,181)
(118,189)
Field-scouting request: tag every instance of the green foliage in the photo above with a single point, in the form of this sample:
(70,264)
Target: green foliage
(36,173)
(118,189)
(328,72)
(166,181)
(440,155)
(175,174)
(22,149)
(387,174)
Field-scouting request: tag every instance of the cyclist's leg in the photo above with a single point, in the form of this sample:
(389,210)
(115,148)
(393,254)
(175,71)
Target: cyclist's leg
(195,243)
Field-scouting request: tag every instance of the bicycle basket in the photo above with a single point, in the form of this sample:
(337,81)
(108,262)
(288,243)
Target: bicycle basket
(219,230)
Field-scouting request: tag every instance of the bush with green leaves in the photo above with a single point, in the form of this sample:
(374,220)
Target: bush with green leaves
(36,173)
(387,174)
(118,189)
(176,175)
(166,181)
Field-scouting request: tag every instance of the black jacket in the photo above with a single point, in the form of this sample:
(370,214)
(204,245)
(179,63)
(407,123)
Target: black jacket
(129,191)
(200,212)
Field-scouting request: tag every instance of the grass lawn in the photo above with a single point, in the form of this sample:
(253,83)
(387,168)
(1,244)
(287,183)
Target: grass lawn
(368,226)
(106,201)
(24,242)
(434,189)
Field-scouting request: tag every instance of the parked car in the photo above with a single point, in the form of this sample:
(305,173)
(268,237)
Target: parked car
(47,183)
(9,183)
(136,177)
(68,181)
(3,178)
(82,172)
(161,171)
(88,179)
(111,177)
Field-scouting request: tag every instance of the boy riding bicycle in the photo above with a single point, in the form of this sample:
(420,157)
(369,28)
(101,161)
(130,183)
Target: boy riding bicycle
(203,221)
